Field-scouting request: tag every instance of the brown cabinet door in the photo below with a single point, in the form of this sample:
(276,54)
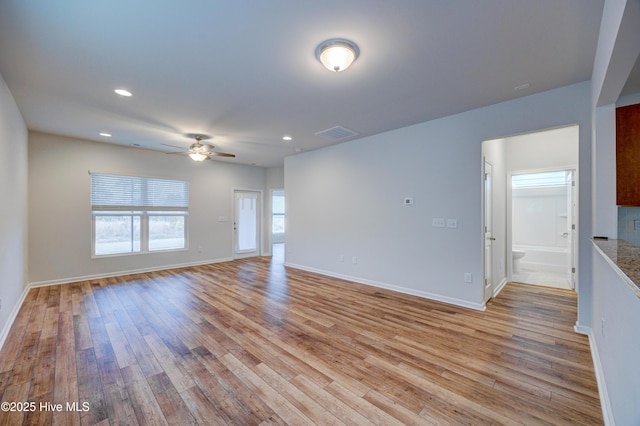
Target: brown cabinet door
(628,155)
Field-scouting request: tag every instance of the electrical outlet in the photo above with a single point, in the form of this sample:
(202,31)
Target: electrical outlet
(636,225)
(468,278)
(354,260)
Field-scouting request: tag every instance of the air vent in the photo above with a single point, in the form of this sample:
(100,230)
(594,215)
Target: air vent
(337,133)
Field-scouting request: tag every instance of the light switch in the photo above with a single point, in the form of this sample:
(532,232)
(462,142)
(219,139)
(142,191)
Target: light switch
(452,223)
(437,222)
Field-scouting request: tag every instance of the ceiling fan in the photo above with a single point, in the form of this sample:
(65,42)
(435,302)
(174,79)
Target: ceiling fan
(199,151)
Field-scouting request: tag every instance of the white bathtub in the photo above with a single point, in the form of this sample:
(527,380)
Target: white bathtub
(539,258)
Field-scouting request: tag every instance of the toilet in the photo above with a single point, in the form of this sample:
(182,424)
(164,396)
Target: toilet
(517,255)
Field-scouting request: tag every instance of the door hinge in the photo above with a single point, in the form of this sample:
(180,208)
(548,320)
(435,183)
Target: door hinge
(573,226)
(573,270)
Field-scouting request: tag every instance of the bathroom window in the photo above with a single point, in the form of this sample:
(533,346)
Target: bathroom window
(533,180)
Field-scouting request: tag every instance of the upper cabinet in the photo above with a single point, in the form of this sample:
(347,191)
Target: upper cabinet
(628,155)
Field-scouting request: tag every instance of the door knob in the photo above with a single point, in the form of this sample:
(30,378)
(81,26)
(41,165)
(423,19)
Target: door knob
(492,238)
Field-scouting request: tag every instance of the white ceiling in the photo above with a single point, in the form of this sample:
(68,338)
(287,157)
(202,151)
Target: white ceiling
(245,73)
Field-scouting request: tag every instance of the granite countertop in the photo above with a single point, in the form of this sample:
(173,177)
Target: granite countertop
(626,257)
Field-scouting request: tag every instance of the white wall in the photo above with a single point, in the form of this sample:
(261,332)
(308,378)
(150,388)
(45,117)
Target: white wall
(13,208)
(615,339)
(543,150)
(347,199)
(59,213)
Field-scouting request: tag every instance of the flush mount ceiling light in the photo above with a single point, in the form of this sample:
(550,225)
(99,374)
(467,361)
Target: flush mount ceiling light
(337,54)
(123,92)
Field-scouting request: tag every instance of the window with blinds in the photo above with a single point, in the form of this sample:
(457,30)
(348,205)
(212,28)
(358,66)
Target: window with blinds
(132,214)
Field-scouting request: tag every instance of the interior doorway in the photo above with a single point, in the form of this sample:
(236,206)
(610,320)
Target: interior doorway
(543,228)
(550,150)
(246,224)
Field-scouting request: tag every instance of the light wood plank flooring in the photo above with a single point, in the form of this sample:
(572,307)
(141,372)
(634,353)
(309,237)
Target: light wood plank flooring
(250,342)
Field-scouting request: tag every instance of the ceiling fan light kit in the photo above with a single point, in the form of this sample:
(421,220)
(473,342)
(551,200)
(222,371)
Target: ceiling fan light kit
(199,151)
(198,156)
(337,54)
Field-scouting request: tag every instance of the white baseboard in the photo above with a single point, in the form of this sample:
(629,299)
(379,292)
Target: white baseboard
(605,402)
(424,294)
(500,286)
(12,317)
(582,329)
(123,273)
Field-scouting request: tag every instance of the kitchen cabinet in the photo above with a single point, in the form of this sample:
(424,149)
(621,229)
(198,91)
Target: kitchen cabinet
(628,155)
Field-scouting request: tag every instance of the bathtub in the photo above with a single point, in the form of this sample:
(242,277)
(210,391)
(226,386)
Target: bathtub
(540,258)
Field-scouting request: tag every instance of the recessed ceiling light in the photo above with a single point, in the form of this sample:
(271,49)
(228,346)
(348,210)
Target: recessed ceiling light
(123,92)
(522,87)
(287,138)
(105,134)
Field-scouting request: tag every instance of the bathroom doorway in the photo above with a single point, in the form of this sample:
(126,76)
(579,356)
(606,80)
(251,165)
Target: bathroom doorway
(549,150)
(543,227)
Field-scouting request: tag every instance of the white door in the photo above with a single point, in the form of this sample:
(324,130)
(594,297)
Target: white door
(488,231)
(571,227)
(246,225)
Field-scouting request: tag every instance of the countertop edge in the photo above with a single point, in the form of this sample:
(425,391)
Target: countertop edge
(630,282)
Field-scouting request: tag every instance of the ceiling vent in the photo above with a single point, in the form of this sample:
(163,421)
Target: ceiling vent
(337,133)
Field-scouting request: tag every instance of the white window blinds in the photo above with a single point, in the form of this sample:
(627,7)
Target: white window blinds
(117,192)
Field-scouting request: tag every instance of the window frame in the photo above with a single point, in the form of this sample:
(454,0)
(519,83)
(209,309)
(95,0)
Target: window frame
(144,213)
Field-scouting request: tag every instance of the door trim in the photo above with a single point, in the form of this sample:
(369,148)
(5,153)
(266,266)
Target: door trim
(487,264)
(260,220)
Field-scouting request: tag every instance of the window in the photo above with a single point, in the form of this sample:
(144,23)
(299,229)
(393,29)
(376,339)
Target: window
(138,215)
(277,210)
(542,179)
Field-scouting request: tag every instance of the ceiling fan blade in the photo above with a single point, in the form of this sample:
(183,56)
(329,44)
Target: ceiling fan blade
(221,154)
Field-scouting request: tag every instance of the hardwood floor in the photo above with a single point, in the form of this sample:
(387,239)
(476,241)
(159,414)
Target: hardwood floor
(250,342)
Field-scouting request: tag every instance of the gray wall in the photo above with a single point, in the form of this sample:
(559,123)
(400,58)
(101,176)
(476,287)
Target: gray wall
(347,200)
(13,208)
